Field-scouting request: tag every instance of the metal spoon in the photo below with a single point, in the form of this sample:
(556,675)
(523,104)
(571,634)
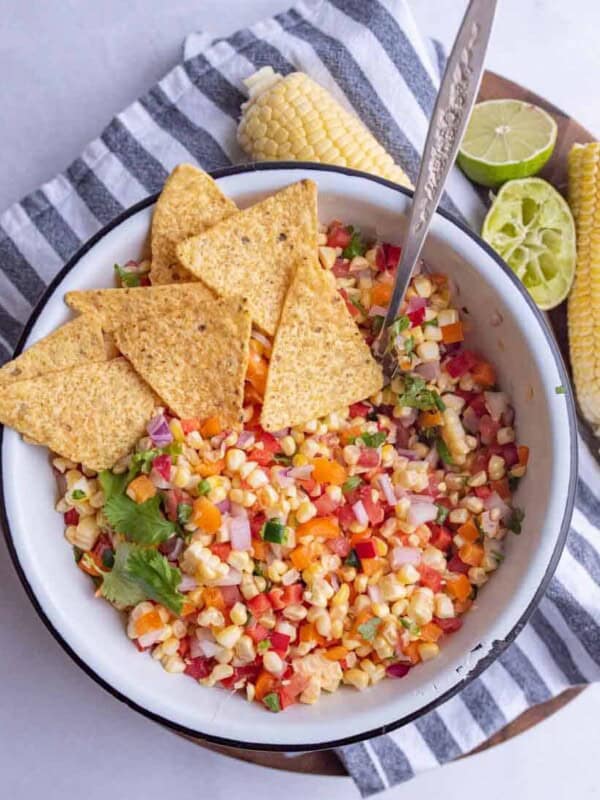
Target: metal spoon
(453,105)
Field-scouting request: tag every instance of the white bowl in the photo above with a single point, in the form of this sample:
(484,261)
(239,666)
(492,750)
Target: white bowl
(529,368)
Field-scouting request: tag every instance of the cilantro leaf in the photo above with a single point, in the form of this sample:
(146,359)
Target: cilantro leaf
(400,324)
(271,701)
(142,462)
(184,512)
(117,585)
(410,626)
(140,522)
(281,458)
(263,646)
(442,514)
(112,485)
(128,279)
(203,487)
(369,628)
(409,345)
(515,520)
(372,439)
(352,559)
(78,494)
(353,482)
(443,452)
(156,577)
(356,246)
(416,395)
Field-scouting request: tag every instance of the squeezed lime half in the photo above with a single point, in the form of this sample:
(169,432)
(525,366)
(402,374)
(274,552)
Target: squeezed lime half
(504,140)
(531,226)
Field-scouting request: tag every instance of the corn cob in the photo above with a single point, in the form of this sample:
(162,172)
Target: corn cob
(293,118)
(584,300)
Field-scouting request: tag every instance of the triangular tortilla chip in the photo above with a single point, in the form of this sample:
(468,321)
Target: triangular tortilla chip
(116,306)
(92,414)
(75,342)
(195,357)
(254,253)
(320,361)
(189,203)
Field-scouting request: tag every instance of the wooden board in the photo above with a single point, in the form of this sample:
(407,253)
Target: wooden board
(569,132)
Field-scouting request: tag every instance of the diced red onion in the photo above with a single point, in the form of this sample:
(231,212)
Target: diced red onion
(470,420)
(360,513)
(187,583)
(159,431)
(432,458)
(364,273)
(301,473)
(410,454)
(238,511)
(430,370)
(335,581)
(419,513)
(415,304)
(495,501)
(280,434)
(377,311)
(239,533)
(233,578)
(488,525)
(419,498)
(405,555)
(224,506)
(172,548)
(209,649)
(409,419)
(158,480)
(150,638)
(387,488)
(508,417)
(245,438)
(261,338)
(283,478)
(398,670)
(496,403)
(374,593)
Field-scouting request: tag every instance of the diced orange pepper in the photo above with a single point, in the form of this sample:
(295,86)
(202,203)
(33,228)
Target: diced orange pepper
(523,452)
(452,333)
(471,554)
(484,374)
(150,621)
(256,374)
(208,468)
(308,633)
(370,565)
(205,515)
(300,557)
(211,427)
(381,294)
(350,434)
(265,683)
(363,616)
(188,608)
(501,487)
(460,606)
(260,549)
(459,587)
(361,536)
(327,471)
(430,419)
(328,527)
(190,424)
(412,651)
(337,653)
(469,531)
(141,489)
(430,632)
(213,597)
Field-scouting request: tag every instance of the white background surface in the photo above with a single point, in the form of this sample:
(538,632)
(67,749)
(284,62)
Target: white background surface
(66,68)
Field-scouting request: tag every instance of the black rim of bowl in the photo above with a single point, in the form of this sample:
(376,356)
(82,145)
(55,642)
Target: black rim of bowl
(498,647)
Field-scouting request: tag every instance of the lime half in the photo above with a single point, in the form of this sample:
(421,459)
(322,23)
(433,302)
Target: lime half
(530,225)
(506,139)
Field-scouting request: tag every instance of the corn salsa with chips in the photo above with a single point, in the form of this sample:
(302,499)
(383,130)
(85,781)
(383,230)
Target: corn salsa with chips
(340,551)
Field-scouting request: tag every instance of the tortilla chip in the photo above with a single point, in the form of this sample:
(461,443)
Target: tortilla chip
(75,342)
(320,361)
(93,413)
(189,203)
(254,253)
(116,306)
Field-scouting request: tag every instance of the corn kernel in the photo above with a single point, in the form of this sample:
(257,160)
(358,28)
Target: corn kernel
(305,511)
(238,614)
(273,663)
(288,445)
(357,678)
(234,459)
(428,650)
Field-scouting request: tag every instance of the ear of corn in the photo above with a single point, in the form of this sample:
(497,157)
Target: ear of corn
(584,300)
(293,118)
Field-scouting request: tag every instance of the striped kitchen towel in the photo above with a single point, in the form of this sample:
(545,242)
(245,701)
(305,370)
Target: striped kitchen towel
(370,54)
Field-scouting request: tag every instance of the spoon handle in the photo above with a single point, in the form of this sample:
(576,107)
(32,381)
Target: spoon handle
(453,105)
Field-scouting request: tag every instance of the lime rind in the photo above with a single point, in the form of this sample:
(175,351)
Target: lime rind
(531,227)
(505,140)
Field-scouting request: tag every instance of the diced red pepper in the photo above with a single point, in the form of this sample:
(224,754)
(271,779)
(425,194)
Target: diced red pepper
(338,235)
(341,268)
(221,549)
(448,625)
(189,425)
(430,577)
(292,594)
(510,454)
(162,464)
(231,595)
(256,523)
(392,255)
(250,672)
(368,457)
(310,486)
(502,488)
(276,598)
(483,492)
(259,605)
(478,404)
(375,511)
(416,317)
(365,549)
(280,642)
(289,692)
(345,516)
(461,363)
(359,410)
(339,546)
(488,429)
(441,537)
(184,646)
(71,516)
(456,564)
(199,668)
(257,632)
(325,505)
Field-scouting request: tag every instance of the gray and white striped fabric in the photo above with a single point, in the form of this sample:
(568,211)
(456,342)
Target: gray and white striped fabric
(370,54)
